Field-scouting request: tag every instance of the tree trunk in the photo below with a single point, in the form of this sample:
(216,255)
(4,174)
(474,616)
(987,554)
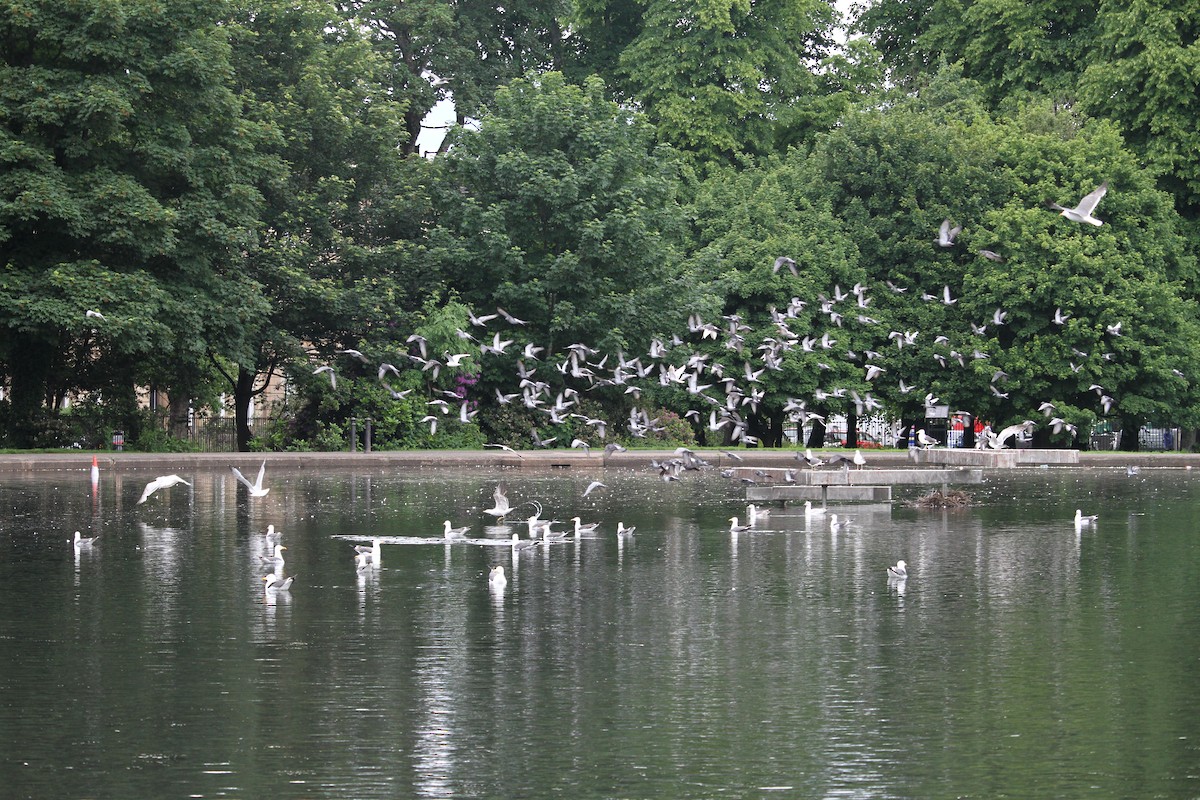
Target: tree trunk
(29,370)
(1129,434)
(243,393)
(851,429)
(178,424)
(1187,439)
(816,437)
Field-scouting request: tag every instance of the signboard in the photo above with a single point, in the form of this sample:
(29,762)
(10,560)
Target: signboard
(937,412)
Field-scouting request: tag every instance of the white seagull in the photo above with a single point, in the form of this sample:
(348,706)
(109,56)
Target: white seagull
(496,579)
(82,541)
(812,511)
(277,560)
(455,533)
(946,234)
(500,507)
(371,556)
(1083,211)
(1082,519)
(274,583)
(754,514)
(734,527)
(161,482)
(898,572)
(332,376)
(256,489)
(584,530)
(925,440)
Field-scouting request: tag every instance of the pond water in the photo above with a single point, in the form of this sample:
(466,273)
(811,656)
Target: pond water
(1019,659)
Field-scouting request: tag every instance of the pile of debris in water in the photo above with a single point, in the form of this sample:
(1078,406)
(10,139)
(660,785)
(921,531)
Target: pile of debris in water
(951,498)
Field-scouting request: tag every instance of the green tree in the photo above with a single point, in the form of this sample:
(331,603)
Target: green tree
(459,49)
(719,79)
(344,212)
(893,173)
(1144,74)
(562,210)
(566,213)
(129,188)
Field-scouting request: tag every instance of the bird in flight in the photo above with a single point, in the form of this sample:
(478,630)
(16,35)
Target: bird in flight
(1083,211)
(256,489)
(161,482)
(946,234)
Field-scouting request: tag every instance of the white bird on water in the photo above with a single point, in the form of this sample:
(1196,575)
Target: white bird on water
(275,583)
(812,511)
(898,572)
(455,533)
(754,514)
(623,531)
(584,530)
(1082,519)
(277,559)
(500,506)
(82,541)
(371,556)
(734,527)
(273,536)
(256,489)
(161,482)
(1083,211)
(496,579)
(836,525)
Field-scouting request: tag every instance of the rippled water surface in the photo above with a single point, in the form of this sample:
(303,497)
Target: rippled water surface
(1018,660)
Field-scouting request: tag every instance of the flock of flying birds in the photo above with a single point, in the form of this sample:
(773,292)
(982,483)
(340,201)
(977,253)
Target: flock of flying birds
(726,391)
(722,391)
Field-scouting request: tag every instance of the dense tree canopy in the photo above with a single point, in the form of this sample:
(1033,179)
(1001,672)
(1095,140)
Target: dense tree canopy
(200,195)
(130,187)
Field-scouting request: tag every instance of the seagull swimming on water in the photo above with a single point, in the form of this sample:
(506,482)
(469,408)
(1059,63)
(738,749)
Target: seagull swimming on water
(161,482)
(898,572)
(455,533)
(82,541)
(584,530)
(1083,211)
(1082,519)
(734,527)
(496,579)
(274,583)
(755,515)
(256,489)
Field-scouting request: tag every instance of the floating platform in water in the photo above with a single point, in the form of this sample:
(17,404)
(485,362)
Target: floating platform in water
(867,485)
(1009,458)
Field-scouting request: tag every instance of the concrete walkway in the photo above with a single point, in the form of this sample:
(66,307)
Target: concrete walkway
(163,463)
